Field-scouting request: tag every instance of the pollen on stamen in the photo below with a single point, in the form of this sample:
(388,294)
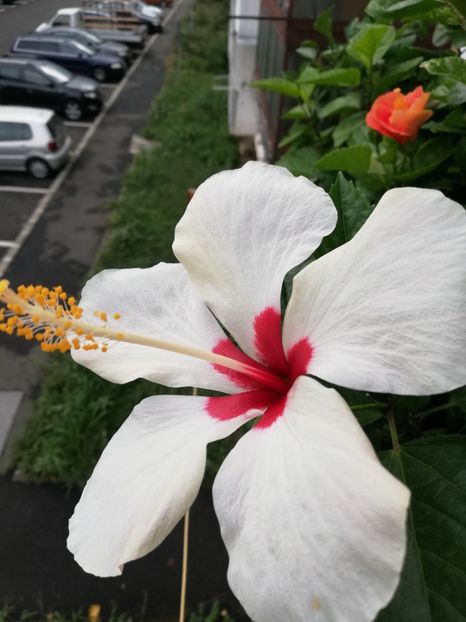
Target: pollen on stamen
(52,318)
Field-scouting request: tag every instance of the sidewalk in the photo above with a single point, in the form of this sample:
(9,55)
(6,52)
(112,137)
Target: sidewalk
(38,573)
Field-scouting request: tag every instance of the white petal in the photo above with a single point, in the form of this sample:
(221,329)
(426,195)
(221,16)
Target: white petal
(159,302)
(387,311)
(146,479)
(242,232)
(314,525)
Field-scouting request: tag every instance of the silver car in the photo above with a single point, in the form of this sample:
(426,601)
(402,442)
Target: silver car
(33,140)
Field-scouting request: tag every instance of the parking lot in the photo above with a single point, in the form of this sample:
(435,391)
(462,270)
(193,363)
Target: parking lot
(24,199)
(51,230)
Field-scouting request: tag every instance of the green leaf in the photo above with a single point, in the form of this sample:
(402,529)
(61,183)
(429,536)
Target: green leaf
(432,587)
(323,23)
(395,74)
(388,10)
(371,44)
(295,132)
(347,127)
(452,67)
(460,152)
(307,52)
(297,113)
(428,157)
(332,77)
(457,94)
(354,159)
(278,85)
(453,123)
(365,409)
(300,161)
(353,210)
(410,8)
(352,101)
(459,9)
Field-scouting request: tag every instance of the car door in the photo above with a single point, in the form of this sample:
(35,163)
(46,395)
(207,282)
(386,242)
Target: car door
(12,90)
(13,145)
(41,92)
(71,58)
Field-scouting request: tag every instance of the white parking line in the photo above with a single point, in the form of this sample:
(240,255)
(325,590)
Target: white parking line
(7,244)
(24,189)
(77,124)
(45,200)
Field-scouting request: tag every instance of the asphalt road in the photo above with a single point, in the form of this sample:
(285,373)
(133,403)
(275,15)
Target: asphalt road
(24,16)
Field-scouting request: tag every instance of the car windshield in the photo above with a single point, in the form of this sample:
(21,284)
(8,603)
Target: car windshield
(56,73)
(85,49)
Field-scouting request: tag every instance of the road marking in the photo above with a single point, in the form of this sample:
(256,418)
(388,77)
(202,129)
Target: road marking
(24,189)
(77,124)
(45,200)
(7,244)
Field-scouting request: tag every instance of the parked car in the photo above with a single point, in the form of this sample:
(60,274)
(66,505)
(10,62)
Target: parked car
(33,140)
(150,16)
(88,39)
(102,24)
(43,84)
(160,3)
(70,54)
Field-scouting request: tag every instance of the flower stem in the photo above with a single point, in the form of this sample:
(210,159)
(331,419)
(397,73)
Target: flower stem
(437,409)
(184,563)
(392,425)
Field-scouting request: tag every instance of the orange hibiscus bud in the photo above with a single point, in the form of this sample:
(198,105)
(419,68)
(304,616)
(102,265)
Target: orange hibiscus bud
(399,116)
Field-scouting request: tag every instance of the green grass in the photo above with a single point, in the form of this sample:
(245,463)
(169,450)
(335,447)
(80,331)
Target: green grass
(77,411)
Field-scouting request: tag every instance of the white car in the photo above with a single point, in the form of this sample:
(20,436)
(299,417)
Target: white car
(33,140)
(151,16)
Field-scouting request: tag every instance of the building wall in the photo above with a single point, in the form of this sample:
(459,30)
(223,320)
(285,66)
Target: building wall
(242,46)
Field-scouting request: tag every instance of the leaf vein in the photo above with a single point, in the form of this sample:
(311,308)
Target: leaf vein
(430,468)
(446,601)
(444,561)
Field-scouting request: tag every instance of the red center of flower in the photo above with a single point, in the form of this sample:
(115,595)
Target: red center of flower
(267,383)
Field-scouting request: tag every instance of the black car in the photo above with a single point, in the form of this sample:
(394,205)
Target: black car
(43,84)
(70,54)
(90,40)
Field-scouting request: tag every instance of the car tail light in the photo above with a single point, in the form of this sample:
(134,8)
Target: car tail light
(52,146)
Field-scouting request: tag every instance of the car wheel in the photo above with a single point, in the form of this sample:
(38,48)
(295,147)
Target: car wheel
(73,110)
(38,168)
(100,74)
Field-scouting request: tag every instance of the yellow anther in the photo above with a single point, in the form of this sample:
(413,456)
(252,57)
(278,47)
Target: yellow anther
(103,316)
(116,316)
(4,285)
(63,296)
(71,300)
